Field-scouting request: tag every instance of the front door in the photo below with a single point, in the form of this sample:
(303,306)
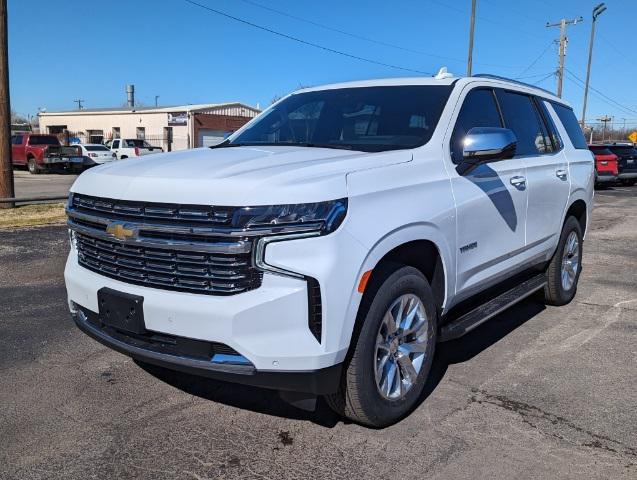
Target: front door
(491,203)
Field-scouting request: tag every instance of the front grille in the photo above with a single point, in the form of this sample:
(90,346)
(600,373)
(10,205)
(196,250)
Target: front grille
(151,211)
(190,271)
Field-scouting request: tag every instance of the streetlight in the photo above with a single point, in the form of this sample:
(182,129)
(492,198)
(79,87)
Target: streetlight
(597,11)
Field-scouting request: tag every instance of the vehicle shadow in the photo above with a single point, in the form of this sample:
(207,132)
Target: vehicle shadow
(268,401)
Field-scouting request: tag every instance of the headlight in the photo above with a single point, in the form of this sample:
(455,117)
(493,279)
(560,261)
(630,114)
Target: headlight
(323,217)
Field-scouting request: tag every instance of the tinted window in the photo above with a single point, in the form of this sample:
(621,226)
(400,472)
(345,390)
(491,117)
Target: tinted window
(365,119)
(521,116)
(43,140)
(550,125)
(136,143)
(115,143)
(478,110)
(600,151)
(96,148)
(567,117)
(622,150)
(16,140)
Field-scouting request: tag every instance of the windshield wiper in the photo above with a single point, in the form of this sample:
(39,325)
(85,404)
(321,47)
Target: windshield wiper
(284,144)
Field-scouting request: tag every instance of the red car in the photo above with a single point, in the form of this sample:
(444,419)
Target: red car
(39,152)
(606,165)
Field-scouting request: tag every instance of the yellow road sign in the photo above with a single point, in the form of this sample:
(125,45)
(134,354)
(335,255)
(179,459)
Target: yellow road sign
(633,137)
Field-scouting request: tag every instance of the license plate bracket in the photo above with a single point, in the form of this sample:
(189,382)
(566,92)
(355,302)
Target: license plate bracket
(120,310)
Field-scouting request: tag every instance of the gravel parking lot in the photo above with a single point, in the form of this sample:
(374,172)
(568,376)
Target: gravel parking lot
(537,392)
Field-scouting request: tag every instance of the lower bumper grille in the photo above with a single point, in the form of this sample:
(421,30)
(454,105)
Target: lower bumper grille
(197,272)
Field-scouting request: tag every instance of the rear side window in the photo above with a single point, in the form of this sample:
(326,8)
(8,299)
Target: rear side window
(567,117)
(96,148)
(521,116)
(550,125)
(115,143)
(478,110)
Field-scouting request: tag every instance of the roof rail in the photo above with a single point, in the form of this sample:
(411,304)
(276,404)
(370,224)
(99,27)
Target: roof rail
(498,77)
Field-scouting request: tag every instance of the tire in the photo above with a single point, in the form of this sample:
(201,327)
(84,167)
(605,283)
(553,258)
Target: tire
(629,183)
(359,397)
(559,291)
(33,167)
(123,157)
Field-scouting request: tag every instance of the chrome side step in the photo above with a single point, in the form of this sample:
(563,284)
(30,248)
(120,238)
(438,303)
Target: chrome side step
(467,322)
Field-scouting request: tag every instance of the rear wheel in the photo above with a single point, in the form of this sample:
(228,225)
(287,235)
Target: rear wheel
(392,356)
(564,270)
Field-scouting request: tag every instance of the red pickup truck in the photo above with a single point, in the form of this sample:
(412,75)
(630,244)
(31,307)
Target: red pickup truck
(40,152)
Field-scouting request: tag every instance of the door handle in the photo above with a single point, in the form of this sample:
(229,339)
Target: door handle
(518,181)
(561,174)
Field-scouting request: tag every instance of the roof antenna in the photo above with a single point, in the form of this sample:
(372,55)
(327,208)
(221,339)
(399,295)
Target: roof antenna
(442,74)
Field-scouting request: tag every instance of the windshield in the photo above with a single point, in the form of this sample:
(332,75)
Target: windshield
(43,140)
(137,143)
(370,119)
(96,148)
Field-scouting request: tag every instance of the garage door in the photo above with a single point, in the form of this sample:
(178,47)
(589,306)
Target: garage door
(209,137)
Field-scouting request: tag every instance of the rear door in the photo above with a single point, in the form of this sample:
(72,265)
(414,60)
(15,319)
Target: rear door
(18,150)
(547,176)
(490,201)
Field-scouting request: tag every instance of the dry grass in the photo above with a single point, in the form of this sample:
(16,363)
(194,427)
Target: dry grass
(30,215)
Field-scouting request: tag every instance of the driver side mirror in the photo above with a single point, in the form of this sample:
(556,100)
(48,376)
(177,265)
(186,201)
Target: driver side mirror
(484,145)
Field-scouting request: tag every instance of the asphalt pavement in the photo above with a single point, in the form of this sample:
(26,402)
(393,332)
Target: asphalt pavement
(49,184)
(536,393)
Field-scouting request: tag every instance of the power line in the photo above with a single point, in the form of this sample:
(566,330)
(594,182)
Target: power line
(366,38)
(606,99)
(304,42)
(532,64)
(534,76)
(349,34)
(488,20)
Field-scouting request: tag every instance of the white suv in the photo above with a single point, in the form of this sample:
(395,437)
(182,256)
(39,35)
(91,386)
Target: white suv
(325,247)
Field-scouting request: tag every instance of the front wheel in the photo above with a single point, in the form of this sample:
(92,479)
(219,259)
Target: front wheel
(33,167)
(393,353)
(564,270)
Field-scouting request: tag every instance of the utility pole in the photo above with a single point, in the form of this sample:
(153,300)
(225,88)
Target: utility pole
(563,41)
(6,170)
(471,31)
(597,11)
(156,98)
(605,119)
(79,104)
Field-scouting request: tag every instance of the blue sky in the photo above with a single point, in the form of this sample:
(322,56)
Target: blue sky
(61,51)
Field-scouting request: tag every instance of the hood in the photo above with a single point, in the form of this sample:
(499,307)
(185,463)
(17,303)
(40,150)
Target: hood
(234,176)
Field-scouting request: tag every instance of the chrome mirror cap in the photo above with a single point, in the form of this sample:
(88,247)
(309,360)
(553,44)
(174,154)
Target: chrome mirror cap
(489,143)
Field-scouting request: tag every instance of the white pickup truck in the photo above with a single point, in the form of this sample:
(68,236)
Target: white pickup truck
(132,147)
(328,245)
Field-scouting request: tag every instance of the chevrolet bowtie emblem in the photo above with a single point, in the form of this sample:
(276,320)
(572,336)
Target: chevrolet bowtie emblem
(119,231)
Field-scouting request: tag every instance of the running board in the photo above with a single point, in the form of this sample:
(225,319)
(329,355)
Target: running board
(467,322)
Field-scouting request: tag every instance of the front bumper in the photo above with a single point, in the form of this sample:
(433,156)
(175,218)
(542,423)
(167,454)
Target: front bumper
(268,325)
(317,382)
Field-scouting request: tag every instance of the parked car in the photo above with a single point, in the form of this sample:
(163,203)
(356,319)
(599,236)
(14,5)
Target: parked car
(96,154)
(132,147)
(39,153)
(606,165)
(327,246)
(627,164)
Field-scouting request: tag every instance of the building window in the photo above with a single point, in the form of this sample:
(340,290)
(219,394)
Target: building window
(116,133)
(95,136)
(141,133)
